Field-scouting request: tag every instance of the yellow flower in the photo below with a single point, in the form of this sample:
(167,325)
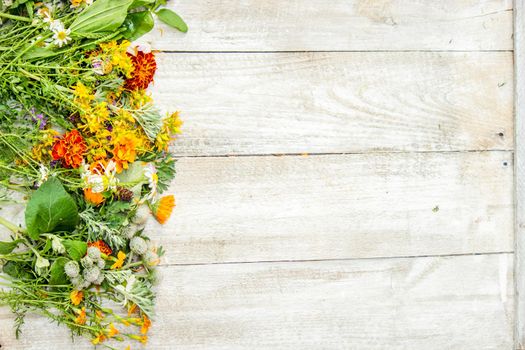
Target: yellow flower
(131,309)
(42,151)
(124,151)
(99,339)
(83,94)
(112,331)
(76,297)
(116,53)
(81,318)
(171,126)
(120,260)
(143,339)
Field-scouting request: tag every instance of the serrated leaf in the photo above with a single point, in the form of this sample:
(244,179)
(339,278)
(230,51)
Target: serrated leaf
(58,275)
(172,19)
(8,247)
(103,16)
(138,24)
(75,249)
(50,209)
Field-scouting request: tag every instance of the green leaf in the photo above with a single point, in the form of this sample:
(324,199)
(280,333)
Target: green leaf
(50,209)
(172,19)
(8,247)
(58,275)
(138,24)
(102,16)
(16,270)
(75,249)
(141,3)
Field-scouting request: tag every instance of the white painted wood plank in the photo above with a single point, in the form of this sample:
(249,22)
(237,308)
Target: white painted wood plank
(338,102)
(461,302)
(235,209)
(310,25)
(519,62)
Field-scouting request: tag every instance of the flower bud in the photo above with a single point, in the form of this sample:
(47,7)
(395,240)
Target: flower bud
(138,245)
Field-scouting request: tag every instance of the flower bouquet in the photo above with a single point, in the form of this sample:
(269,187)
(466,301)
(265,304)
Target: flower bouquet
(85,150)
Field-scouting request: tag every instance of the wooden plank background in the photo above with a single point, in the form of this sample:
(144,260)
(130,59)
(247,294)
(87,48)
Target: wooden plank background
(345,180)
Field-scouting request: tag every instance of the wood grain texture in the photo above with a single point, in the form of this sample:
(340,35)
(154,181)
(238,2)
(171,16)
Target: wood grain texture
(421,303)
(338,102)
(237,209)
(519,63)
(312,25)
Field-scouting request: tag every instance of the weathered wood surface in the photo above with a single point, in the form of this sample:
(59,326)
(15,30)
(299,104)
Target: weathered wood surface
(463,302)
(312,25)
(338,102)
(236,209)
(519,168)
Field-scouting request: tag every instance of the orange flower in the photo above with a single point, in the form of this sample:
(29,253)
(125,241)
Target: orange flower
(163,208)
(81,318)
(102,246)
(99,339)
(145,325)
(92,197)
(99,314)
(112,331)
(69,149)
(120,261)
(76,297)
(144,69)
(124,152)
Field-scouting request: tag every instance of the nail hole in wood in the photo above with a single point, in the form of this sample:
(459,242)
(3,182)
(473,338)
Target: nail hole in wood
(501,134)
(505,163)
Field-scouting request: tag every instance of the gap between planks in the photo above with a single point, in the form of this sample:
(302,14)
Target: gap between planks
(323,51)
(316,154)
(337,259)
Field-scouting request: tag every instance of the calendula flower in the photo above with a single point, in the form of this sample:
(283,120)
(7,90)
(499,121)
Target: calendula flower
(92,197)
(61,36)
(144,69)
(102,246)
(163,208)
(76,297)
(81,318)
(120,260)
(69,149)
(146,324)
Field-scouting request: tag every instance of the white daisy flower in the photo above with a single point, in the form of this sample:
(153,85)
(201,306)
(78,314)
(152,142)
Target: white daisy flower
(150,172)
(61,36)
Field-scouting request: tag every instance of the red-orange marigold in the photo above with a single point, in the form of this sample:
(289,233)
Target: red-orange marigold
(69,149)
(144,69)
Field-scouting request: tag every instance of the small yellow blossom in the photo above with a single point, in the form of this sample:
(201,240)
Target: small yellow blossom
(76,297)
(120,260)
(81,318)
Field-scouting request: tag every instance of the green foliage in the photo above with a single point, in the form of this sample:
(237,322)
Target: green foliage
(137,24)
(58,275)
(103,16)
(172,19)
(50,209)
(8,247)
(75,249)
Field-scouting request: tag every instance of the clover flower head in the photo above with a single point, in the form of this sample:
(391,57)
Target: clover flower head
(72,269)
(138,245)
(93,253)
(87,261)
(91,274)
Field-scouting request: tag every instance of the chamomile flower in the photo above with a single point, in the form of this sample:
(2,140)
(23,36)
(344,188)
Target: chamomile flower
(61,36)
(150,172)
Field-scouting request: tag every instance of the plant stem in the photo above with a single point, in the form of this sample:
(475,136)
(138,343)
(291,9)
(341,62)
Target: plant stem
(16,18)
(9,225)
